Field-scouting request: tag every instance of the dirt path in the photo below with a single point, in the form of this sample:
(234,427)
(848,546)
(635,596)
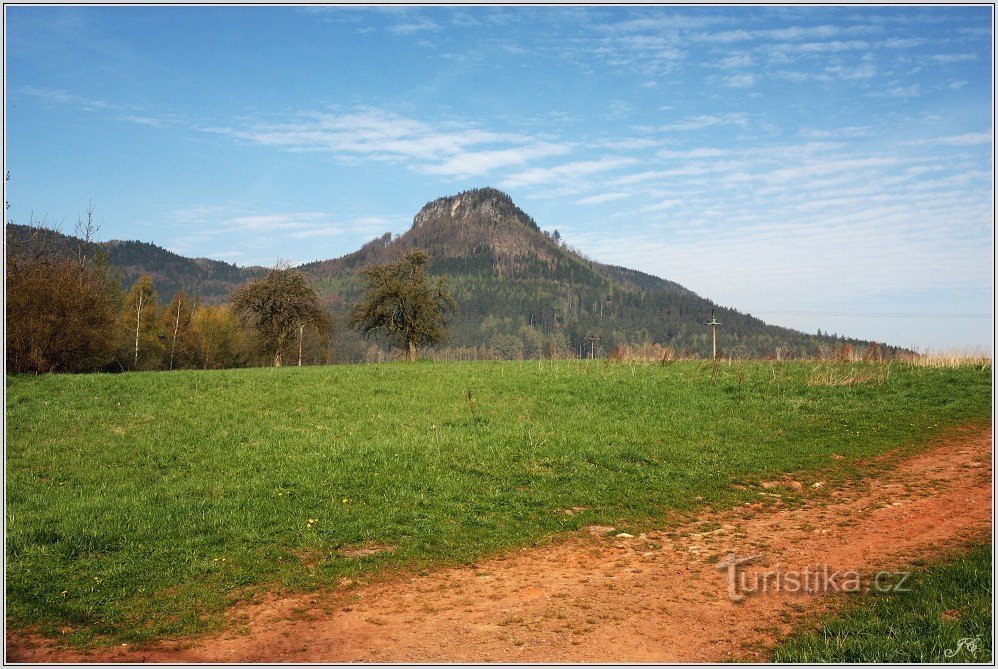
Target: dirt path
(601,598)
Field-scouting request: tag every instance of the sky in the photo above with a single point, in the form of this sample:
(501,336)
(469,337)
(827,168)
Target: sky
(818,167)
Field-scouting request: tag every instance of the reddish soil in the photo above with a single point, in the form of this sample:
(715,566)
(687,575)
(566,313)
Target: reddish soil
(657,597)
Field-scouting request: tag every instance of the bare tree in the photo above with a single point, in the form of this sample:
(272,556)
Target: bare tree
(278,304)
(61,308)
(402,304)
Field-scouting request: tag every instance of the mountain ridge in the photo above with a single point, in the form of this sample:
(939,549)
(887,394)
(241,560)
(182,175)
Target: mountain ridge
(522,290)
(212,279)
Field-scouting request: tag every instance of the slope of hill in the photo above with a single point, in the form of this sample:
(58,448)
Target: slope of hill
(522,291)
(212,280)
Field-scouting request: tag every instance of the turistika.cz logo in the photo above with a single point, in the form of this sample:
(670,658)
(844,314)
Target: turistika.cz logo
(817,579)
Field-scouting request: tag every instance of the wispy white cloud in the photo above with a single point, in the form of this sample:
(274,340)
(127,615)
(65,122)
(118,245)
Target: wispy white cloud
(787,242)
(802,77)
(274,222)
(205,227)
(628,144)
(790,34)
(707,121)
(737,61)
(447,149)
(838,133)
(904,43)
(954,57)
(830,47)
(50,94)
(693,154)
(603,198)
(161,121)
(567,171)
(904,91)
(365,225)
(418,24)
(648,54)
(862,71)
(741,80)
(620,108)
(656,207)
(965,139)
(657,175)
(474,163)
(128,113)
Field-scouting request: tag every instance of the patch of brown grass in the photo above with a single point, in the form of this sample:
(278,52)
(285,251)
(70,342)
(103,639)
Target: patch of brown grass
(832,376)
(365,550)
(951,358)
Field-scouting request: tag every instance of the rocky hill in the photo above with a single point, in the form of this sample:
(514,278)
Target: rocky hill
(522,291)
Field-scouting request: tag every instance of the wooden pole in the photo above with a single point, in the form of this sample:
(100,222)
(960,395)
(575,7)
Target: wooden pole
(592,339)
(713,323)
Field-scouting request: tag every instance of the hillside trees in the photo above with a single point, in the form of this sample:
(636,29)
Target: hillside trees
(146,341)
(280,306)
(66,312)
(61,306)
(403,305)
(176,320)
(218,340)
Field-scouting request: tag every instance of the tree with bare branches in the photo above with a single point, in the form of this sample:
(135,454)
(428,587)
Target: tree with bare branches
(61,305)
(402,304)
(279,306)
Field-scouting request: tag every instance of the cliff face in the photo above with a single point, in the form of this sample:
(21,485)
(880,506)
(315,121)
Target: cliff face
(486,207)
(479,228)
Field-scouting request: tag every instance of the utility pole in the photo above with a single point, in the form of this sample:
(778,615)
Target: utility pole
(592,339)
(713,323)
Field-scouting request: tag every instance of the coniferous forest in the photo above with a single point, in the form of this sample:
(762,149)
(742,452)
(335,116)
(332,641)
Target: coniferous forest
(522,293)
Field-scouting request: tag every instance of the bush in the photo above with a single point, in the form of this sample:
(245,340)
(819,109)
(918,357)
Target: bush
(61,308)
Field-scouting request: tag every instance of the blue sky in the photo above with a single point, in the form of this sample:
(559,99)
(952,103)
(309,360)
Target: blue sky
(817,167)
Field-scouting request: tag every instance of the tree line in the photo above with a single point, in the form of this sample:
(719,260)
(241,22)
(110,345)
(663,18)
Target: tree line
(67,312)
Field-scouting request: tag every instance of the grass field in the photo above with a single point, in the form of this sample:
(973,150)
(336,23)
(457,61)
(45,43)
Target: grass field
(139,505)
(945,602)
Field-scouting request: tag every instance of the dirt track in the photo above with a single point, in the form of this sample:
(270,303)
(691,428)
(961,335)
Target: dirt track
(599,598)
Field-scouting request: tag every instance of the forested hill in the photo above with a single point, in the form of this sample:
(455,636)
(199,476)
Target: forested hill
(523,292)
(212,280)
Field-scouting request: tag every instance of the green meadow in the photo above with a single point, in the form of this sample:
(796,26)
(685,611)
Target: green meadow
(943,616)
(139,505)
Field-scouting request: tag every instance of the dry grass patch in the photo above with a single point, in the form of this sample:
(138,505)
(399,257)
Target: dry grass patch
(366,550)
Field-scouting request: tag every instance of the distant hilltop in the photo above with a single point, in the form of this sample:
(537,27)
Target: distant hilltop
(522,291)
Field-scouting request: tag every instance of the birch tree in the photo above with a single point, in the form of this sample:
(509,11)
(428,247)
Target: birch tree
(146,340)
